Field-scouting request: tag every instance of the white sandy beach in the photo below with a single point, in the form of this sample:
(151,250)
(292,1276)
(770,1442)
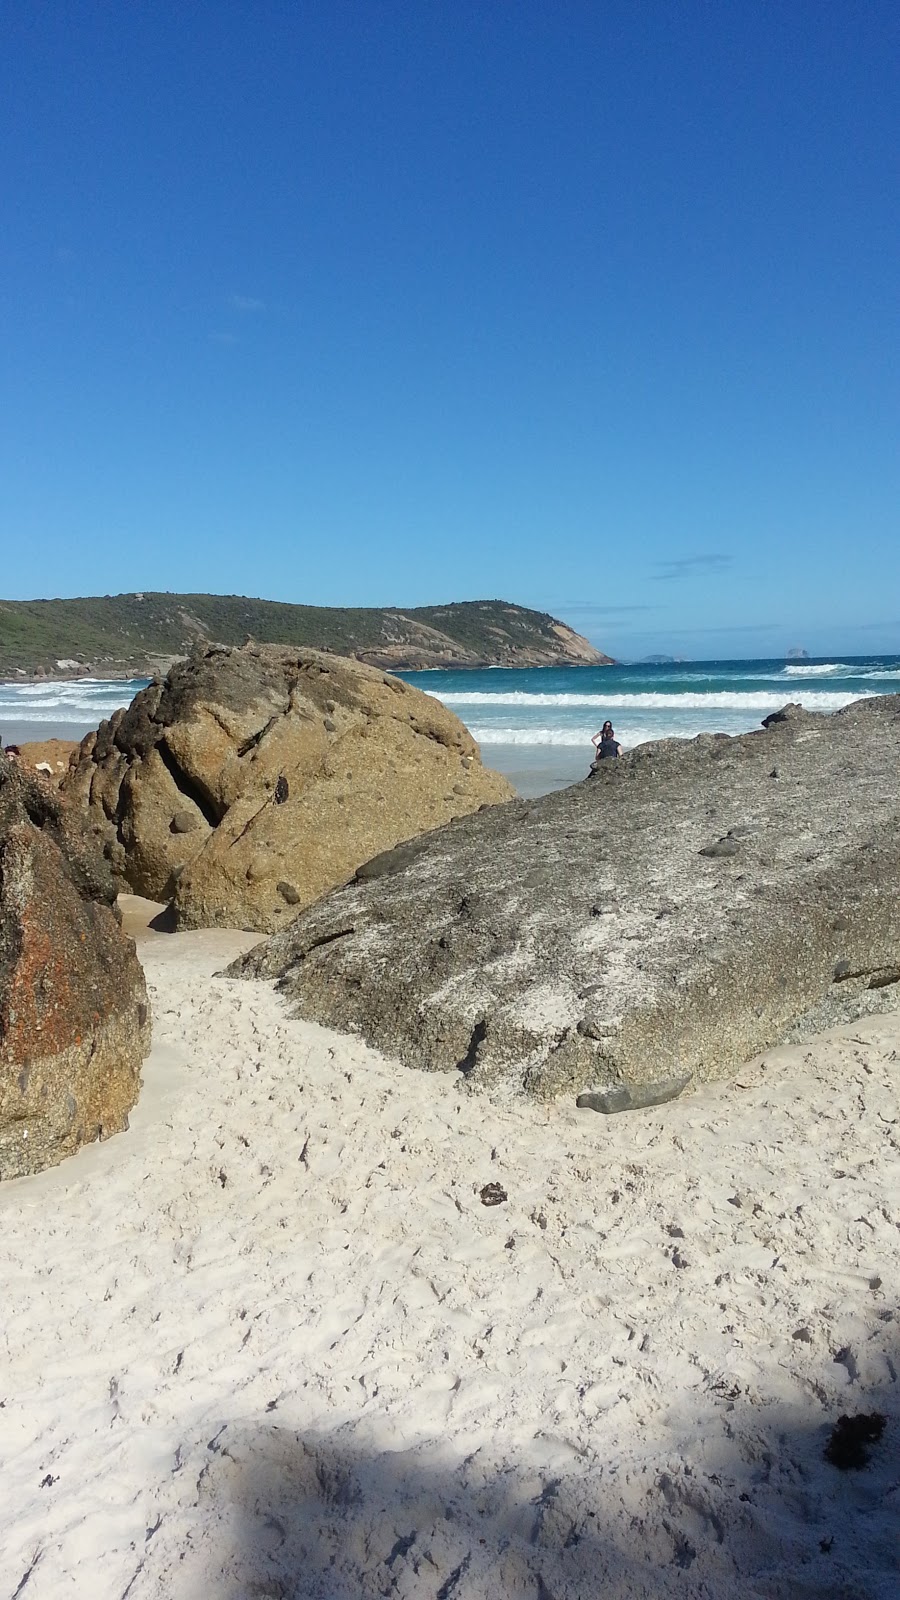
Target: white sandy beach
(270,1342)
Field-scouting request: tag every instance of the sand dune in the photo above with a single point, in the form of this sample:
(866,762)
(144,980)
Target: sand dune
(270,1342)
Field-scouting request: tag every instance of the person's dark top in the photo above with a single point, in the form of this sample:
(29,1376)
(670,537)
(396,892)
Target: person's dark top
(608,747)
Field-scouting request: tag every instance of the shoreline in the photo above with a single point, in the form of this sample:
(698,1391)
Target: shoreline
(32,680)
(148,667)
(535,769)
(15,730)
(647,703)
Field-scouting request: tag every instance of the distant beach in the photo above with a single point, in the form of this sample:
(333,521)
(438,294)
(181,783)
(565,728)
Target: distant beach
(534,724)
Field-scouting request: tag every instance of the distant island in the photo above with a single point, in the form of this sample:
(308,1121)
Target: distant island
(797,653)
(660,661)
(135,635)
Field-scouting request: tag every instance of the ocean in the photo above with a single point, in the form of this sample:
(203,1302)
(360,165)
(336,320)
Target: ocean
(535,723)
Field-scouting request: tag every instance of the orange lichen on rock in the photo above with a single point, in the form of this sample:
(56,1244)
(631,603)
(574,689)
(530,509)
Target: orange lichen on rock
(74,1016)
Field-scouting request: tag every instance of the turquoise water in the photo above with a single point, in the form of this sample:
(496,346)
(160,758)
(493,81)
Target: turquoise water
(563,706)
(535,723)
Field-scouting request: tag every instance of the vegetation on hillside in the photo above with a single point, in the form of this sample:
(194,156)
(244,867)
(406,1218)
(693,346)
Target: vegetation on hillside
(118,633)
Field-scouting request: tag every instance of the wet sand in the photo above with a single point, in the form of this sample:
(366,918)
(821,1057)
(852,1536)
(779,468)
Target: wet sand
(538,769)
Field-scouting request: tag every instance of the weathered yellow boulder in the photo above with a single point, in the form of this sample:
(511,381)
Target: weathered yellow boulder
(252,780)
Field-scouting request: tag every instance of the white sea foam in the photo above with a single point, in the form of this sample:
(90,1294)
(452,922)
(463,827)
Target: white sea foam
(824,669)
(556,736)
(570,738)
(58,693)
(891,673)
(831,669)
(83,702)
(723,700)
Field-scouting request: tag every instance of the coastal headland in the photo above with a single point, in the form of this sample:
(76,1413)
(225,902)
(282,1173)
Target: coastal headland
(136,635)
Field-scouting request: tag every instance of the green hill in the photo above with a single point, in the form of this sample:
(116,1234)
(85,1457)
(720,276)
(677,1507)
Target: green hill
(133,634)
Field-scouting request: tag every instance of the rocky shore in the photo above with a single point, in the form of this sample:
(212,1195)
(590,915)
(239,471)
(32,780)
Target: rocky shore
(321,1322)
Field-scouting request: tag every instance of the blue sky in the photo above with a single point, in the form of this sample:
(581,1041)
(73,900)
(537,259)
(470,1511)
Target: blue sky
(591,306)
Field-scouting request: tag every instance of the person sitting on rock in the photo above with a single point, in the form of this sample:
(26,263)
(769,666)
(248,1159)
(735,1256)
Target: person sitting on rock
(605,744)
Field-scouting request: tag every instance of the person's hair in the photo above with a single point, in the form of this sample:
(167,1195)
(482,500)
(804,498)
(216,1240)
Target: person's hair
(609,726)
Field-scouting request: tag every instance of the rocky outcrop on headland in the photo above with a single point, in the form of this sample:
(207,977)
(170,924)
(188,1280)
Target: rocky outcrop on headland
(661,921)
(252,780)
(74,1018)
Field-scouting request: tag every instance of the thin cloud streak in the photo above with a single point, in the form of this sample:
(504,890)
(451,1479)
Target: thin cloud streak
(728,628)
(709,566)
(245,302)
(589,608)
(784,627)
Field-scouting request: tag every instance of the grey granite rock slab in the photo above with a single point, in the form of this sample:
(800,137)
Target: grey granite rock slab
(600,937)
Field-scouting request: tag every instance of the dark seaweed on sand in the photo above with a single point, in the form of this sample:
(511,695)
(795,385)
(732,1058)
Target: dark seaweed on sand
(850,1438)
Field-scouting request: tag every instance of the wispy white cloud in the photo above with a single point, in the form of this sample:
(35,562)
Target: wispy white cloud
(592,608)
(709,566)
(726,628)
(245,302)
(223,338)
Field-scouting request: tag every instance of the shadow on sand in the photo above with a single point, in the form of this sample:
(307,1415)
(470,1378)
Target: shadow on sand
(757,1515)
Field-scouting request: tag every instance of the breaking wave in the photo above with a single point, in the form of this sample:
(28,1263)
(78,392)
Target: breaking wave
(840,669)
(723,700)
(564,737)
(824,669)
(81,702)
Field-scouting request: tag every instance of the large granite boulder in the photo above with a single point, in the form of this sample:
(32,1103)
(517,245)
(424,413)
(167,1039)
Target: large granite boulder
(252,780)
(74,1018)
(668,917)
